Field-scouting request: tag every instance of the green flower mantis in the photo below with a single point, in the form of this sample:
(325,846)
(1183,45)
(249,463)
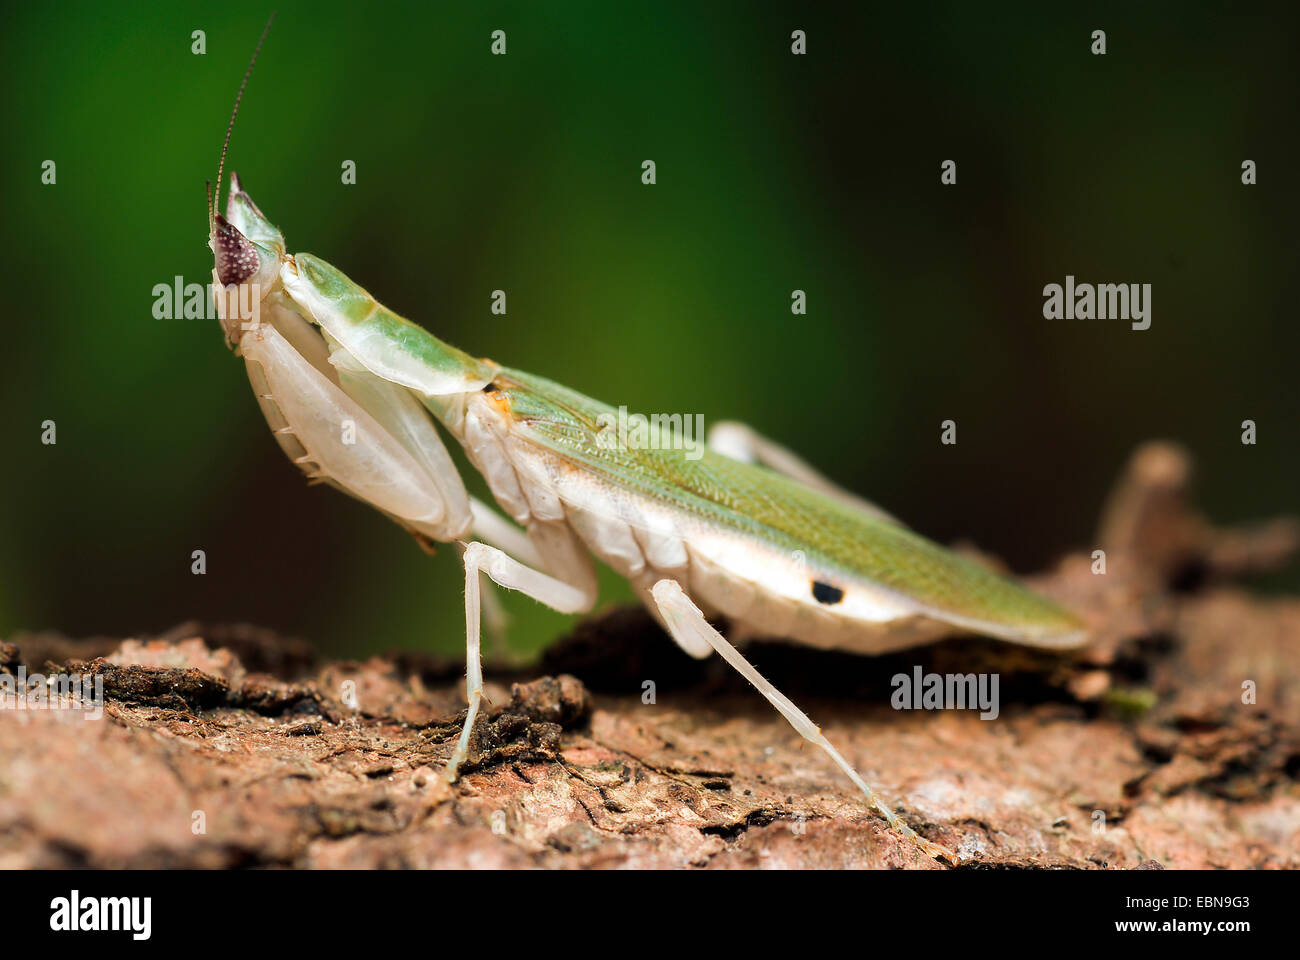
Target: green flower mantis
(359,398)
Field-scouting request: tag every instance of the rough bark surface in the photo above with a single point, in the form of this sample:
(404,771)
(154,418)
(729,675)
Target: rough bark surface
(229,746)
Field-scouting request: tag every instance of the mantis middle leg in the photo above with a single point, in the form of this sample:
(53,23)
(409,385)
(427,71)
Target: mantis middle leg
(509,573)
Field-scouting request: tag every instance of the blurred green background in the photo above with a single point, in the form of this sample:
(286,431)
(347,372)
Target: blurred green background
(522,172)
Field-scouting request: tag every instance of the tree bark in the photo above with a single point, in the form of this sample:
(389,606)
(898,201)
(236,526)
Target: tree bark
(230,746)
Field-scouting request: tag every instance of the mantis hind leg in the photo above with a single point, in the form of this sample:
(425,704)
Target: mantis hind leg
(741,442)
(684,618)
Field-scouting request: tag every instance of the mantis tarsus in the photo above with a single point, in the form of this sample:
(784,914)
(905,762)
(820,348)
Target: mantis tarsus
(352,393)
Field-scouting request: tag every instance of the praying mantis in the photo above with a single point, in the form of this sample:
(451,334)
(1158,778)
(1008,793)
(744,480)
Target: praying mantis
(357,396)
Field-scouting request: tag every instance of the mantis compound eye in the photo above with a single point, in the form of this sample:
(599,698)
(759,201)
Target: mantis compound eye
(237,258)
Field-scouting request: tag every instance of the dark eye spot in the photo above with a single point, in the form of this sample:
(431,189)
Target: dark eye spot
(825,593)
(490,388)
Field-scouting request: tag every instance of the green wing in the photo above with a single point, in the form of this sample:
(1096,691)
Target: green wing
(752,500)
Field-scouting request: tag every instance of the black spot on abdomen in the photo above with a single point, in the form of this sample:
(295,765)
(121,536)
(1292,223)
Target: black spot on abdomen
(825,593)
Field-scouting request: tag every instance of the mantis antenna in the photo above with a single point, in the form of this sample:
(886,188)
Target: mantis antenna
(221,165)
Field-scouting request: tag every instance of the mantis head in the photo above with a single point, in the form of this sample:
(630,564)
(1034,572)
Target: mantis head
(246,247)
(247,251)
